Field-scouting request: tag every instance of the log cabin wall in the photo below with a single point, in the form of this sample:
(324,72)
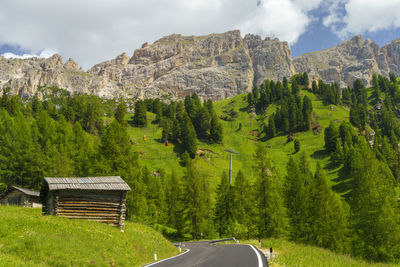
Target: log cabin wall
(104,206)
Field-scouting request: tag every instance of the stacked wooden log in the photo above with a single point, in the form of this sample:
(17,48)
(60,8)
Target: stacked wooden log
(105,207)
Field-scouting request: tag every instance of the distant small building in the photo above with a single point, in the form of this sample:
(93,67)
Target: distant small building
(101,199)
(20,197)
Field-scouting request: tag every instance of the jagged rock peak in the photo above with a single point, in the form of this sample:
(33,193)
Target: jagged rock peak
(355,58)
(122,59)
(215,66)
(71,64)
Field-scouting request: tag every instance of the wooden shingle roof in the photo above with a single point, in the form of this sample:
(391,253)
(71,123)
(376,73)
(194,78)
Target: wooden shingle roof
(87,183)
(28,192)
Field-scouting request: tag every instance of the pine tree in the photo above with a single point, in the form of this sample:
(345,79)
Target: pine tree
(188,136)
(337,156)
(270,130)
(331,134)
(167,131)
(120,112)
(329,218)
(357,86)
(196,201)
(297,201)
(157,210)
(374,212)
(305,81)
(116,157)
(223,213)
(244,211)
(295,87)
(203,123)
(314,87)
(346,133)
(216,132)
(140,116)
(175,204)
(250,100)
(83,153)
(271,213)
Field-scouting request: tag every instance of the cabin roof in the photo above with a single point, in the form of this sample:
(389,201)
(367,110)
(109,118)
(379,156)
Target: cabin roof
(28,192)
(87,183)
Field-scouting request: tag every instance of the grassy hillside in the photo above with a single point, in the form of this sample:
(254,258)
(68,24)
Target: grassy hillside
(214,160)
(291,254)
(29,239)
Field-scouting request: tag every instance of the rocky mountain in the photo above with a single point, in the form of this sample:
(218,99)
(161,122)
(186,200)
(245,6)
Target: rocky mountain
(215,66)
(352,59)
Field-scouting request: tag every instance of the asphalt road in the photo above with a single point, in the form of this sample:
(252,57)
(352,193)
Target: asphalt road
(202,254)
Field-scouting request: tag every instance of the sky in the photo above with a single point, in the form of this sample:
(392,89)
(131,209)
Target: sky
(92,31)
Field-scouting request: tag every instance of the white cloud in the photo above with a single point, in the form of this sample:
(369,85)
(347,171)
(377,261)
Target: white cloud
(335,10)
(285,19)
(371,15)
(44,54)
(95,30)
(347,17)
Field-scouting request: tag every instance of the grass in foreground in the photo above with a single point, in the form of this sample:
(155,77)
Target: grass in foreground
(291,254)
(29,239)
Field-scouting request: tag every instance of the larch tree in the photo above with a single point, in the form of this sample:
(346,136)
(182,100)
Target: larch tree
(374,211)
(271,213)
(328,215)
(223,213)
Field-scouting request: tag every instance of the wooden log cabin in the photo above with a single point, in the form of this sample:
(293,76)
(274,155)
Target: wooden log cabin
(20,197)
(99,199)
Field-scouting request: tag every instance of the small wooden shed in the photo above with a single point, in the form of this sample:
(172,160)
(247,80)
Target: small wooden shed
(21,197)
(99,199)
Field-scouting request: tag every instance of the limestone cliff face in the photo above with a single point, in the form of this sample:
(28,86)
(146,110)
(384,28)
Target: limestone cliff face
(215,66)
(354,58)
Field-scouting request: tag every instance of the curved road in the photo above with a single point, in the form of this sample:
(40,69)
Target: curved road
(202,254)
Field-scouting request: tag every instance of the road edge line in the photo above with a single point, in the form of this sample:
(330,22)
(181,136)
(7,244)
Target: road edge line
(151,264)
(260,263)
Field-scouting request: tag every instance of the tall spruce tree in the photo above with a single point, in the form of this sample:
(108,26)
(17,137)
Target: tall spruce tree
(120,112)
(271,213)
(216,132)
(197,203)
(329,217)
(374,211)
(297,200)
(331,133)
(175,203)
(223,213)
(188,136)
(140,116)
(244,211)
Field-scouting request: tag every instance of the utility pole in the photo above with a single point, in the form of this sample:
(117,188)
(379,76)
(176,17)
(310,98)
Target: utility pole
(230,165)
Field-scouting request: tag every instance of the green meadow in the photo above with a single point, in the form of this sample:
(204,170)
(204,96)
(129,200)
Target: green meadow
(29,239)
(241,134)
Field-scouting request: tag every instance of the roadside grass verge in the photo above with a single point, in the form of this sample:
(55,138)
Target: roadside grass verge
(290,254)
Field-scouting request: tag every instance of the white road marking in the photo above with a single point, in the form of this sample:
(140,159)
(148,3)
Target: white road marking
(154,263)
(260,264)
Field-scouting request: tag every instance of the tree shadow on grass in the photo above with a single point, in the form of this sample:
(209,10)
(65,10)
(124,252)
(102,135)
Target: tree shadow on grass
(343,183)
(320,154)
